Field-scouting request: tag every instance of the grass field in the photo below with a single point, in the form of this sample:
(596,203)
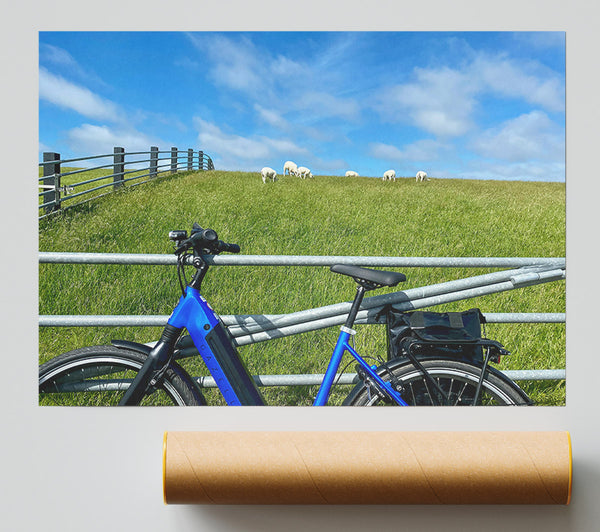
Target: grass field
(324,216)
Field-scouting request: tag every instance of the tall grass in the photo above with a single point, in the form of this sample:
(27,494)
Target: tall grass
(324,216)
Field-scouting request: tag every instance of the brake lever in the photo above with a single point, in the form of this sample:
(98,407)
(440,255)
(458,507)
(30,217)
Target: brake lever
(183,247)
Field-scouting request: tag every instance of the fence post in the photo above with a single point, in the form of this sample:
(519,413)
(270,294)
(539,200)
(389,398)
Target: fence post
(173,160)
(200,160)
(119,167)
(52,173)
(153,161)
(190,159)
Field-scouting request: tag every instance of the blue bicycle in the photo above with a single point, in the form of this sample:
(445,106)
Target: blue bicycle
(128,373)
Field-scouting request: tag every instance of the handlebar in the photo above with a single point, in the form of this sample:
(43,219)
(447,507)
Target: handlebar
(229,248)
(202,241)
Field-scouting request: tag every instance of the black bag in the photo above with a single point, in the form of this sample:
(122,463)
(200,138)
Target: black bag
(424,333)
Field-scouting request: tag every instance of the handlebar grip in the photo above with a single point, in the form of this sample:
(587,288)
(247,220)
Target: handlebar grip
(229,248)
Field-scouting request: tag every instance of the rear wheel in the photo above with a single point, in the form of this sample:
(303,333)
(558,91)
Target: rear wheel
(99,376)
(456,378)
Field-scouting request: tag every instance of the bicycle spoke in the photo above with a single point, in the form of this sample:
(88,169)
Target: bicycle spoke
(450,390)
(412,391)
(459,397)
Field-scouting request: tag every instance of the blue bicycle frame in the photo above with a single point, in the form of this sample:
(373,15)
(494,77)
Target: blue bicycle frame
(231,376)
(341,347)
(216,349)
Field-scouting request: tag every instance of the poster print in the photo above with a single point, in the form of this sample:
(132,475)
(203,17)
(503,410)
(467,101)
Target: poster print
(330,218)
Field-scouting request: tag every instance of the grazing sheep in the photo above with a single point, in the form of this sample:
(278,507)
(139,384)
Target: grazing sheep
(351,173)
(290,167)
(268,173)
(389,175)
(303,172)
(422,176)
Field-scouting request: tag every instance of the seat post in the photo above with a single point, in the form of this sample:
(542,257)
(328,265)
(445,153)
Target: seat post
(360,293)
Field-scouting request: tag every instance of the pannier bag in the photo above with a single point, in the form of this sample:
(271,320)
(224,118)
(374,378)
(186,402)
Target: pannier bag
(424,333)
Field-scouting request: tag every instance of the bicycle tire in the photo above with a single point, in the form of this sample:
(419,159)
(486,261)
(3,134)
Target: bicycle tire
(93,376)
(457,378)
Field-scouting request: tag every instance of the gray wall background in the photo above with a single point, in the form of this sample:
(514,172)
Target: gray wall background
(99,470)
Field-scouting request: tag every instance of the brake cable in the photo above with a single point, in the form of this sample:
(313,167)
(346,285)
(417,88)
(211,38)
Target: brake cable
(181,258)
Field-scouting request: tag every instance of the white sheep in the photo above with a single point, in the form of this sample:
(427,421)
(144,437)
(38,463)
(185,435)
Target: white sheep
(351,173)
(268,173)
(422,176)
(389,175)
(303,172)
(291,168)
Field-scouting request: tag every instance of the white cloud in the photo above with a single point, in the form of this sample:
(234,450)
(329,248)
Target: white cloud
(288,72)
(522,171)
(320,166)
(230,151)
(519,80)
(421,151)
(63,60)
(438,101)
(91,139)
(532,136)
(43,147)
(58,91)
(278,83)
(442,101)
(272,117)
(56,55)
(322,104)
(386,152)
(236,65)
(237,152)
(541,39)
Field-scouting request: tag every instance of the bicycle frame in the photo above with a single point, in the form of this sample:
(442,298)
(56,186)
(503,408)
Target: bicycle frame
(218,352)
(214,345)
(341,347)
(225,365)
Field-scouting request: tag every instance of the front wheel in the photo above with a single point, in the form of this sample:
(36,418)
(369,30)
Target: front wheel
(99,376)
(457,379)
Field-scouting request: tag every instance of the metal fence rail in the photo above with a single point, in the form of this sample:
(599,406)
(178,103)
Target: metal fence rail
(314,379)
(159,163)
(51,257)
(249,329)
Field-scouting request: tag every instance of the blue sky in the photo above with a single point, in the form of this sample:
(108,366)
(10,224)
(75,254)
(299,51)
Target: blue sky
(488,105)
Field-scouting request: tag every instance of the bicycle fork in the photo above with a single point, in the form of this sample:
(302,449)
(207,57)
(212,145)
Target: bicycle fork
(155,365)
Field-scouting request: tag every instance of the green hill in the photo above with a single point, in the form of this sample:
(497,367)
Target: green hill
(322,216)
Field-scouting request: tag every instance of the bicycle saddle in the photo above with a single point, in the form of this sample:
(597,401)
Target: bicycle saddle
(365,275)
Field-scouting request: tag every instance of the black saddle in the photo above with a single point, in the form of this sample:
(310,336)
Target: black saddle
(370,279)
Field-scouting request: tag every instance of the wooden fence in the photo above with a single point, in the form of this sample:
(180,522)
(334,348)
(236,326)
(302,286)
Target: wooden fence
(57,180)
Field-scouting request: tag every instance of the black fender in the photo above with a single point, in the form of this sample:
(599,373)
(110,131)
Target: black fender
(133,346)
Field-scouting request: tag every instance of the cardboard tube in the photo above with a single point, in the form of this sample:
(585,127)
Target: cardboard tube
(367,467)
